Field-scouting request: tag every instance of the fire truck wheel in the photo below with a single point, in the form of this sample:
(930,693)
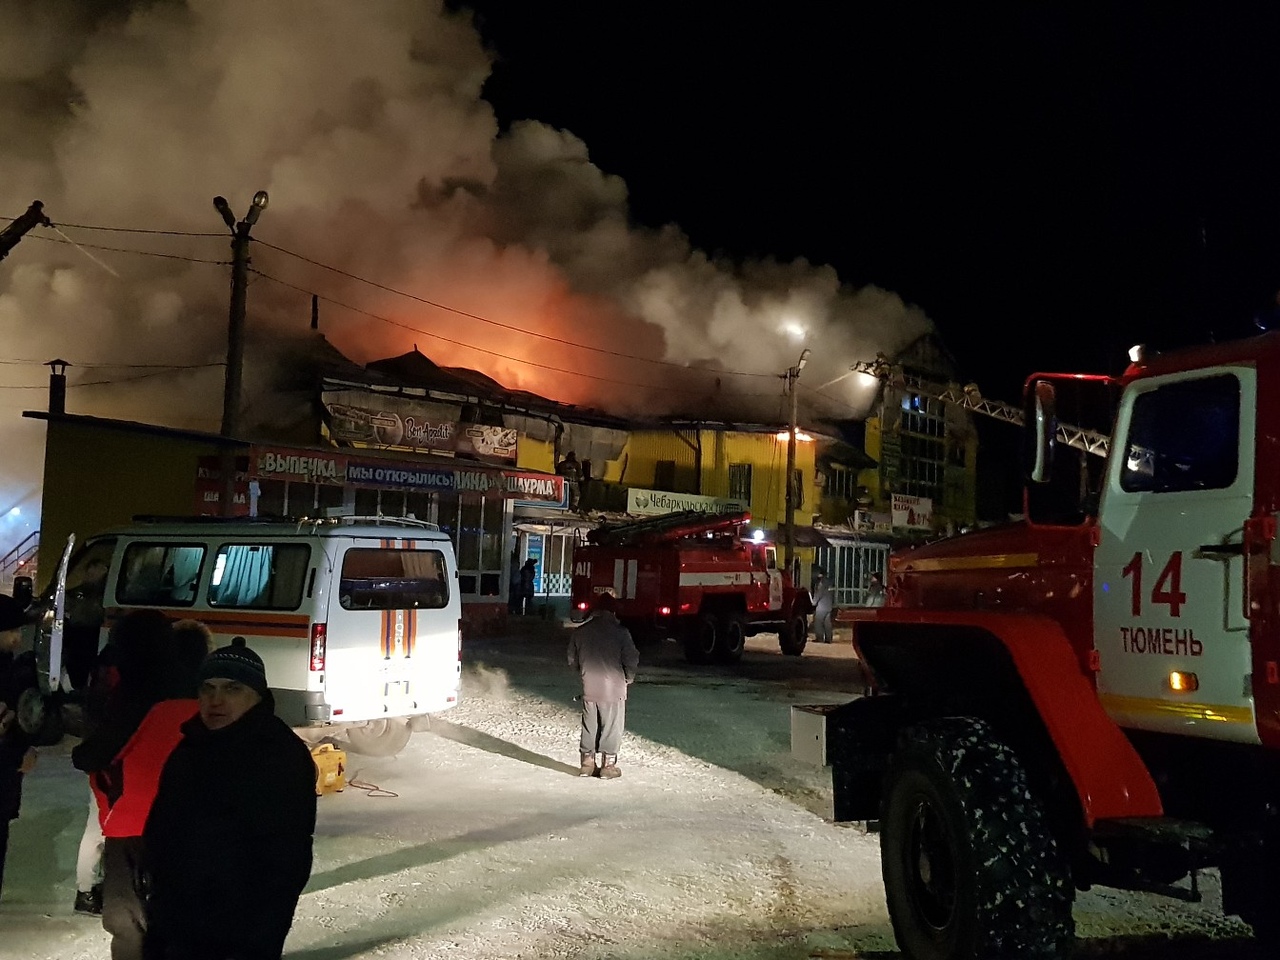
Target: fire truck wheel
(732,639)
(379,738)
(701,638)
(794,635)
(970,866)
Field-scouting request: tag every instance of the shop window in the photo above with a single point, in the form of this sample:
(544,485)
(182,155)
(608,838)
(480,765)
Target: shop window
(664,475)
(366,503)
(271,498)
(259,576)
(740,482)
(329,498)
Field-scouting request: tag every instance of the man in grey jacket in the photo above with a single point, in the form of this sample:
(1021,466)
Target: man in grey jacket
(605,655)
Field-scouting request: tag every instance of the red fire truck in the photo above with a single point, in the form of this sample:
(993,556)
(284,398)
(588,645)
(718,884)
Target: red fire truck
(696,577)
(1090,695)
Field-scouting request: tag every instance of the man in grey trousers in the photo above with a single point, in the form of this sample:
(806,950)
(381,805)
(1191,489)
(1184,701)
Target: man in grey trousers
(605,655)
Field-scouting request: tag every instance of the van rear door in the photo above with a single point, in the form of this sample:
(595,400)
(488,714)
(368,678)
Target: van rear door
(392,633)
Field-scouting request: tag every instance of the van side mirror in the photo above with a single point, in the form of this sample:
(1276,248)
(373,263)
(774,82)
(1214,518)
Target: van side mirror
(24,591)
(1042,432)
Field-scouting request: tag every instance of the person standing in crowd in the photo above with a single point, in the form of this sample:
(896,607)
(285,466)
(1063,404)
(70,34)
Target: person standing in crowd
(823,606)
(17,756)
(528,576)
(571,470)
(875,592)
(128,680)
(604,654)
(136,770)
(229,837)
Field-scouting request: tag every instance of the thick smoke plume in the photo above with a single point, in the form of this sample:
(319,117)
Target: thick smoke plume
(365,124)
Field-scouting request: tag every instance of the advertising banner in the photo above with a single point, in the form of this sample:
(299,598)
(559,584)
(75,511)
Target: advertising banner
(657,502)
(913,513)
(357,419)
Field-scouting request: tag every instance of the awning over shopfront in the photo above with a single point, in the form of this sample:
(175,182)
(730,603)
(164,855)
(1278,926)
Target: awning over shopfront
(804,536)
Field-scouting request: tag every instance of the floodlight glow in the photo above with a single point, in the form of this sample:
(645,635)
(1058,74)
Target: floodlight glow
(15,511)
(794,330)
(758,536)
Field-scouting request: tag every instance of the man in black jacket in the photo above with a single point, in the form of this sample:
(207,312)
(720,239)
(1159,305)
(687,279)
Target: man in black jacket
(17,756)
(229,835)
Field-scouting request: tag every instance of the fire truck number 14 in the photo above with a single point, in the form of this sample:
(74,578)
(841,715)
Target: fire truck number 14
(1168,588)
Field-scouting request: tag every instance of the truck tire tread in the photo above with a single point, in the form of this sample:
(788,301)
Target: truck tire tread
(1013,893)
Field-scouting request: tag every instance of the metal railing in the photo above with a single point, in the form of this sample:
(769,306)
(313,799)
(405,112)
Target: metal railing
(19,561)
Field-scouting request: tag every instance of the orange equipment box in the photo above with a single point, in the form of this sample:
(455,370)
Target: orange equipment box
(331,768)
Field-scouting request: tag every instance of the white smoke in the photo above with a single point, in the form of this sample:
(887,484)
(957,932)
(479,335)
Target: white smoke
(365,124)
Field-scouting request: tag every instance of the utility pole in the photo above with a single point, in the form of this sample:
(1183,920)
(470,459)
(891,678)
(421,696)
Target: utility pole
(789,542)
(235,337)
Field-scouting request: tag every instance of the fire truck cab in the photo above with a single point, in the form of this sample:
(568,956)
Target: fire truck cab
(1090,695)
(695,577)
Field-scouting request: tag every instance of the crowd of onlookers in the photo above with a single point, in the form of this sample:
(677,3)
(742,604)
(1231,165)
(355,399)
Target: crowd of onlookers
(202,803)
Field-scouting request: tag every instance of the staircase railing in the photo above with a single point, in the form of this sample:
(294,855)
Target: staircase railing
(19,561)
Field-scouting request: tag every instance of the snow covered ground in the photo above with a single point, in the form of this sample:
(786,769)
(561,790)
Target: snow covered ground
(481,841)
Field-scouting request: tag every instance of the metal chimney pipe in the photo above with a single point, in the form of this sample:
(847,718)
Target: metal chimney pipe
(57,385)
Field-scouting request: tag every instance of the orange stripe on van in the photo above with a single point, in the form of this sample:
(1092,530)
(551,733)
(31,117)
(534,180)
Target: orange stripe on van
(410,632)
(230,622)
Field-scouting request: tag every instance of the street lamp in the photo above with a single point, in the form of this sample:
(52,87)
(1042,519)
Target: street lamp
(235,334)
(789,542)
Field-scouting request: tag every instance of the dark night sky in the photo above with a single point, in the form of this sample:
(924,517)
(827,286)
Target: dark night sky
(1049,182)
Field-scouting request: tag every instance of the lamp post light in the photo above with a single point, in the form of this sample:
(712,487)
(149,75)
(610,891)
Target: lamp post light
(789,542)
(235,336)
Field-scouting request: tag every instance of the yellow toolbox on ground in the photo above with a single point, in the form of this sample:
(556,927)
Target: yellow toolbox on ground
(331,768)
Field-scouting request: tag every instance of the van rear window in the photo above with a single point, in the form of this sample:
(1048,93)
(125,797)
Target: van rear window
(160,574)
(259,576)
(377,579)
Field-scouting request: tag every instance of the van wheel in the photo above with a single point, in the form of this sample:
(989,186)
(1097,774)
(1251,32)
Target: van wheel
(379,738)
(700,639)
(732,639)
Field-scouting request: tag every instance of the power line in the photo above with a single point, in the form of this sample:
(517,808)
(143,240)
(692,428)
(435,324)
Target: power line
(141,253)
(113,366)
(496,323)
(102,383)
(492,353)
(165,233)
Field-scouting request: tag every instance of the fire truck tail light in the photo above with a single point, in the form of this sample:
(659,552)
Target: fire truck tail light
(1180,682)
(319,646)
(582,605)
(664,611)
(686,608)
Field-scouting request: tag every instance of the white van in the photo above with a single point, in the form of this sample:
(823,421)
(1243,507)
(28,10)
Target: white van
(356,618)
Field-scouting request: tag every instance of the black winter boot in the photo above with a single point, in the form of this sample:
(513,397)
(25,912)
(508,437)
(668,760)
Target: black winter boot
(589,767)
(610,770)
(89,901)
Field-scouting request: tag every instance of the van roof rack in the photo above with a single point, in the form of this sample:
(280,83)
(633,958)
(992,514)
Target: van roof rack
(374,521)
(207,520)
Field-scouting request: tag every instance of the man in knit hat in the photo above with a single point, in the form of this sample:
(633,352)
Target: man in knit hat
(229,834)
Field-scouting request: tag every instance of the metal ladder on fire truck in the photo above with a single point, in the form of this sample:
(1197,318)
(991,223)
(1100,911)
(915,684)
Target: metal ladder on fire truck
(970,398)
(664,528)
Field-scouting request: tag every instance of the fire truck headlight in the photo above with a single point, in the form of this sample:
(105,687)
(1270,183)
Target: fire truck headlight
(1180,682)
